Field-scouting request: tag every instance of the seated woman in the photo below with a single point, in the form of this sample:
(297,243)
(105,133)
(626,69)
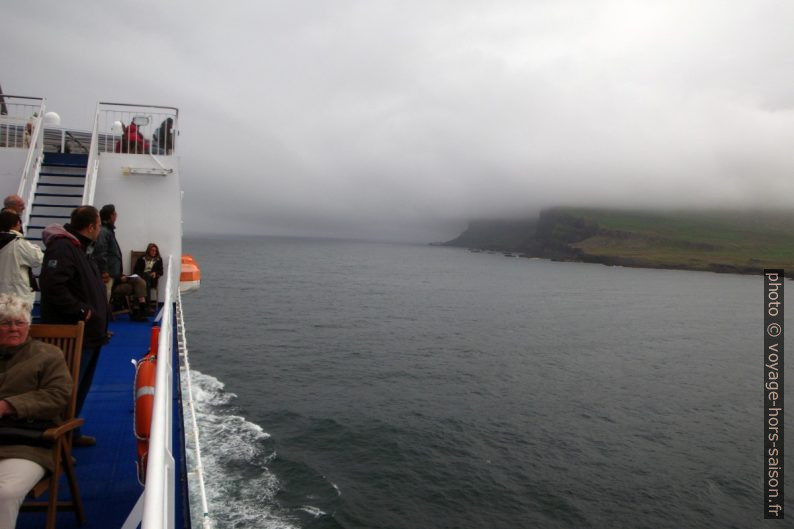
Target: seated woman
(34,384)
(149,266)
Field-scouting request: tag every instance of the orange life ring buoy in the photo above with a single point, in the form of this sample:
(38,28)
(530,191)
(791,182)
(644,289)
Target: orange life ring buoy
(145,375)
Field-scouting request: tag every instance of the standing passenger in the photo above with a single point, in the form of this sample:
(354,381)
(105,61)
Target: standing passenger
(72,290)
(108,257)
(17,258)
(164,136)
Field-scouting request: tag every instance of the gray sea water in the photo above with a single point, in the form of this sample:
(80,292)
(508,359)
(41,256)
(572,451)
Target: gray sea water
(367,385)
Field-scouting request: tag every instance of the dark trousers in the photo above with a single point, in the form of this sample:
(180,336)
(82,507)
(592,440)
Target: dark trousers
(88,362)
(151,282)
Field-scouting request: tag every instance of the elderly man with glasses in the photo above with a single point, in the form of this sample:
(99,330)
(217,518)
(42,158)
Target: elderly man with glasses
(34,384)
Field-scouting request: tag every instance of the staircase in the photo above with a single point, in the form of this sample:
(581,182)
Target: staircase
(59,191)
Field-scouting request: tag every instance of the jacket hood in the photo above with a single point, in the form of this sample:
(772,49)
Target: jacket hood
(6,237)
(56,231)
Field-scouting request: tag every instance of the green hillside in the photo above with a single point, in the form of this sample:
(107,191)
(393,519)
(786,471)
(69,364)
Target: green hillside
(723,241)
(708,240)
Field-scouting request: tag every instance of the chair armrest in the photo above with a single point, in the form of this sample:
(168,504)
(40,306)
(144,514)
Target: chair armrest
(51,434)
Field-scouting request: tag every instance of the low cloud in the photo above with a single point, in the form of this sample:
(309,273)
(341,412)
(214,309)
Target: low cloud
(404,119)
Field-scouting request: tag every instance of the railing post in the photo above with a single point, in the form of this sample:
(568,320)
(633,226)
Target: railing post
(92,166)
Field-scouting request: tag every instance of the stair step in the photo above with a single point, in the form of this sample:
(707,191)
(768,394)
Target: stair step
(71,175)
(57,195)
(61,166)
(65,160)
(59,185)
(52,206)
(72,165)
(51,216)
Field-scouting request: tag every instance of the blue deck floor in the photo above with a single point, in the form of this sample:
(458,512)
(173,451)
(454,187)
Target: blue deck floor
(106,472)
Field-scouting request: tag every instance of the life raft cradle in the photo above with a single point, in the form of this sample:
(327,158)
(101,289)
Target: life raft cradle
(145,375)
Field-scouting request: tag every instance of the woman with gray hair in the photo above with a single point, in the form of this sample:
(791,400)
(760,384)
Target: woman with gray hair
(35,384)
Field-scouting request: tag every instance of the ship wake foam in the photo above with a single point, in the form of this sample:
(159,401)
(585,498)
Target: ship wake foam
(240,488)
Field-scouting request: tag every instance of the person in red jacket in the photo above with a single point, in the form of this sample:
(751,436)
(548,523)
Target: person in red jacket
(132,141)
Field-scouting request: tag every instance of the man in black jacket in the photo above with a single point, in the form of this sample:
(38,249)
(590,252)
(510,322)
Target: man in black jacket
(107,255)
(72,290)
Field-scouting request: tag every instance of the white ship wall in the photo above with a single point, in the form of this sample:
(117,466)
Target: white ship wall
(12,162)
(149,207)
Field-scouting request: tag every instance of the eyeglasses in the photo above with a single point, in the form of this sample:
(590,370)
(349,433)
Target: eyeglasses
(13,323)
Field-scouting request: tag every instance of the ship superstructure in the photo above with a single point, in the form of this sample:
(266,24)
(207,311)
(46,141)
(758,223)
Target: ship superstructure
(128,158)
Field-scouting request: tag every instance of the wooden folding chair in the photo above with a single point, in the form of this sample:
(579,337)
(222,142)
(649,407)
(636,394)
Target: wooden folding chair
(69,338)
(120,304)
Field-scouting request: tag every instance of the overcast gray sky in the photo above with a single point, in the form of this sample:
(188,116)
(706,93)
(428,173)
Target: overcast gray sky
(402,119)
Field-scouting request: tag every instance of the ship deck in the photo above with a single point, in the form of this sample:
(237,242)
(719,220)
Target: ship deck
(106,473)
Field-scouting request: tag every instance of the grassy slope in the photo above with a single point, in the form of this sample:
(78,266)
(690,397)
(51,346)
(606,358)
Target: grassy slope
(698,240)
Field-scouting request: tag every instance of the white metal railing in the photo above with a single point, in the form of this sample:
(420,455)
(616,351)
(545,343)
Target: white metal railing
(197,473)
(136,129)
(70,141)
(158,496)
(130,129)
(21,126)
(155,509)
(18,117)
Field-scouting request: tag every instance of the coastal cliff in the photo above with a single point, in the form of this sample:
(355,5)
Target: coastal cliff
(719,241)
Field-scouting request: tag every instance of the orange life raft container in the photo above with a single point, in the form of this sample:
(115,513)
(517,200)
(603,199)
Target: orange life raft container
(190,274)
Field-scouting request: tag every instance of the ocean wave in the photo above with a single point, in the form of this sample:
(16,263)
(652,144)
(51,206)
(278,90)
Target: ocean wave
(208,389)
(314,511)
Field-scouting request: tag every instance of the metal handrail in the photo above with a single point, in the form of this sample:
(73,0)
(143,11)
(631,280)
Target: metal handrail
(78,142)
(92,168)
(34,156)
(176,110)
(21,97)
(206,521)
(158,496)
